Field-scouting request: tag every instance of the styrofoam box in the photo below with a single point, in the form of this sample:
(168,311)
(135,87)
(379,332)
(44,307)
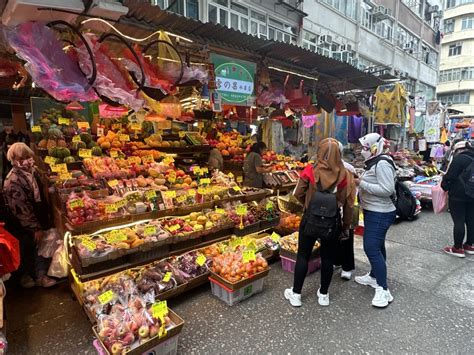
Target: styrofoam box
(232,297)
(289,265)
(168,347)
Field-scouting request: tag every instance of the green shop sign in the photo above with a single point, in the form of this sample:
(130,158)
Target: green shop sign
(234,79)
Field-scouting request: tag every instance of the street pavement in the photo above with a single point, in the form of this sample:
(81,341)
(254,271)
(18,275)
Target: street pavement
(432,312)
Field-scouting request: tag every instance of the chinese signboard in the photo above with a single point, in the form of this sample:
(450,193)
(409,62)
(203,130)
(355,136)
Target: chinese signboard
(234,79)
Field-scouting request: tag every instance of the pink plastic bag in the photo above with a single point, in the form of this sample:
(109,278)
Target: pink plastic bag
(439,198)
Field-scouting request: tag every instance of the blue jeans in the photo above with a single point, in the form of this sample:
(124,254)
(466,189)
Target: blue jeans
(376,225)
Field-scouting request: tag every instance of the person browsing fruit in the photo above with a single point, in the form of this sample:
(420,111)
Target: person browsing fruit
(27,215)
(253,166)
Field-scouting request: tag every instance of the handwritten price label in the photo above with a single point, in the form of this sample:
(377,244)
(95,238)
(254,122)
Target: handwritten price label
(36,129)
(76,204)
(59,168)
(220,211)
(248,255)
(181,199)
(111,208)
(240,179)
(116,126)
(170,194)
(192,192)
(136,126)
(65,176)
(106,297)
(167,277)
(168,160)
(197,170)
(235,243)
(182,134)
(149,230)
(205,170)
(150,194)
(63,120)
(148,159)
(88,244)
(174,228)
(112,183)
(50,160)
(76,139)
(116,237)
(200,260)
(113,154)
(241,210)
(124,137)
(159,309)
(85,153)
(83,125)
(230,175)
(275,237)
(269,205)
(237,188)
(205,181)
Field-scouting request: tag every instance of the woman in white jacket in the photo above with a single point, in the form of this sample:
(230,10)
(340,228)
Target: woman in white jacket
(376,188)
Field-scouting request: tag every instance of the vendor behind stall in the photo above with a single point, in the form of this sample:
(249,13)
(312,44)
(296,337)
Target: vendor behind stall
(253,166)
(216,162)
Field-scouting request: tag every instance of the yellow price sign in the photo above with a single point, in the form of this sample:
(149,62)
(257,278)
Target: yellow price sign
(205,170)
(182,134)
(237,188)
(136,126)
(159,309)
(197,170)
(167,277)
(121,203)
(170,194)
(168,160)
(275,237)
(64,120)
(134,160)
(124,138)
(113,154)
(116,236)
(150,194)
(230,175)
(88,244)
(106,297)
(235,243)
(248,255)
(202,191)
(50,160)
(205,181)
(241,210)
(174,228)
(112,183)
(252,245)
(240,179)
(85,153)
(200,260)
(148,159)
(192,192)
(111,208)
(83,125)
(76,139)
(181,198)
(149,230)
(220,211)
(36,129)
(65,176)
(116,126)
(76,204)
(269,206)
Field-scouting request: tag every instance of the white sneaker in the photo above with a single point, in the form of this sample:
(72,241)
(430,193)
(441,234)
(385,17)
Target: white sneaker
(323,300)
(382,298)
(366,280)
(346,275)
(294,298)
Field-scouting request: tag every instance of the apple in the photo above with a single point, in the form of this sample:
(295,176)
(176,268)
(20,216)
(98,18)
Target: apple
(116,348)
(144,331)
(153,331)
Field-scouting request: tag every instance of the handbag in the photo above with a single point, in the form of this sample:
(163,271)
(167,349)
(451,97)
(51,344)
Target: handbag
(439,198)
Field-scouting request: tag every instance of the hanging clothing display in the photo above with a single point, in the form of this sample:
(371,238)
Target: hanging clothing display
(390,104)
(419,126)
(432,121)
(354,129)
(412,120)
(272,135)
(340,128)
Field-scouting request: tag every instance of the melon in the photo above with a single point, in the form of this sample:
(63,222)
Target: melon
(69,160)
(53,152)
(96,151)
(62,143)
(55,133)
(63,152)
(78,145)
(51,144)
(86,138)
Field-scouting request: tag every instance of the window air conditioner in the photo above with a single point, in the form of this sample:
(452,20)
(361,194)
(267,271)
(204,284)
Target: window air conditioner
(19,11)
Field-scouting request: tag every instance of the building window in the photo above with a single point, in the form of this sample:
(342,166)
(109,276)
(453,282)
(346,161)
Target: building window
(258,25)
(347,7)
(456,74)
(467,23)
(188,8)
(384,29)
(281,32)
(455,98)
(449,26)
(407,40)
(455,49)
(310,41)
(450,3)
(429,55)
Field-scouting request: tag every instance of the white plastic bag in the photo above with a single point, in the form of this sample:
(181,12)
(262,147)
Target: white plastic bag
(59,264)
(48,244)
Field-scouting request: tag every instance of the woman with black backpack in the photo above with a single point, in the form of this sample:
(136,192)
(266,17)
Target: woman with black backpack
(459,182)
(323,189)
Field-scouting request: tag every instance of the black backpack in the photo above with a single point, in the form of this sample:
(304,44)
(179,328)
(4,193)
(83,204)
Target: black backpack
(467,179)
(403,199)
(322,218)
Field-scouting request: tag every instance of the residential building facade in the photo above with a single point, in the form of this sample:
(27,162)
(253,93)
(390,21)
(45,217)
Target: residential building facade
(396,39)
(456,75)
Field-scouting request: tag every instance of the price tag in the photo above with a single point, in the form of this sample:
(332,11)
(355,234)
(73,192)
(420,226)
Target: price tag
(174,228)
(63,120)
(148,159)
(106,297)
(150,194)
(85,153)
(124,138)
(76,204)
(200,260)
(116,236)
(202,191)
(182,134)
(197,170)
(111,208)
(88,244)
(220,211)
(240,179)
(237,188)
(248,255)
(159,309)
(134,160)
(116,126)
(100,131)
(235,243)
(181,198)
(65,176)
(121,203)
(275,237)
(167,277)
(76,139)
(83,125)
(269,206)
(205,181)
(252,245)
(205,170)
(35,129)
(136,126)
(56,168)
(168,160)
(192,192)
(230,175)
(149,230)
(241,210)
(61,168)
(50,160)
(112,183)
(113,154)
(170,194)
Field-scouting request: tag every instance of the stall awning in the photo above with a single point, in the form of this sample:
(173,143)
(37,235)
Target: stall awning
(334,76)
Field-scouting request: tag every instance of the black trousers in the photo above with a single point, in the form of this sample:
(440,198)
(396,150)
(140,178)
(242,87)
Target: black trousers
(462,213)
(332,253)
